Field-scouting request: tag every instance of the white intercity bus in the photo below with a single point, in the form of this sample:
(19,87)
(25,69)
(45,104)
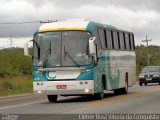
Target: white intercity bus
(81,57)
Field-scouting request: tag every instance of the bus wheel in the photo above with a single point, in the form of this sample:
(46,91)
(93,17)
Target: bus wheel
(125,89)
(140,84)
(159,83)
(100,96)
(145,83)
(52,98)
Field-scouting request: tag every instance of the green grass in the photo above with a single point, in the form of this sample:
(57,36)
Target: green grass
(16,85)
(15,73)
(14,63)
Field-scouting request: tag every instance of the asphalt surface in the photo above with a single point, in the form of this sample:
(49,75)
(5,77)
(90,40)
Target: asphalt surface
(139,100)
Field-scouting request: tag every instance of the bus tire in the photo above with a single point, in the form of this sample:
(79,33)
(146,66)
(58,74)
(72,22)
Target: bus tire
(125,89)
(100,96)
(52,98)
(145,83)
(140,84)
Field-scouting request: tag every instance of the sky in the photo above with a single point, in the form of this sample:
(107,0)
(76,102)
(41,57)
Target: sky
(140,16)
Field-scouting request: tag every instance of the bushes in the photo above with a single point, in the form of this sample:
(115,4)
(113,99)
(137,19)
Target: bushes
(14,63)
(7,85)
(15,72)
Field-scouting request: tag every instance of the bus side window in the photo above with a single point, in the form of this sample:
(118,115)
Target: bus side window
(121,40)
(124,38)
(109,39)
(102,38)
(132,39)
(127,41)
(115,39)
(130,42)
(97,41)
(112,39)
(119,45)
(105,36)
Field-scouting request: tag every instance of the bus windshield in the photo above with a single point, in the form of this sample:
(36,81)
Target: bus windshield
(67,48)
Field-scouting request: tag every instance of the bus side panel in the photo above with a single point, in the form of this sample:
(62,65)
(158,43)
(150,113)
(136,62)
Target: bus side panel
(107,66)
(115,65)
(99,71)
(126,65)
(112,72)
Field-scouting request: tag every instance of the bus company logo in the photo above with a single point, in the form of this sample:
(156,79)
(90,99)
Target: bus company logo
(52,75)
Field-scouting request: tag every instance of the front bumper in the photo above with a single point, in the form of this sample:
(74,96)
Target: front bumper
(72,87)
(152,80)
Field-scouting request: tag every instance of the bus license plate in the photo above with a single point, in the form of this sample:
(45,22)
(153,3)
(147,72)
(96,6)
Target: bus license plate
(61,86)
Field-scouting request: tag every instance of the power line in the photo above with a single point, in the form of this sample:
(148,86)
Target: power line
(11,41)
(28,22)
(19,22)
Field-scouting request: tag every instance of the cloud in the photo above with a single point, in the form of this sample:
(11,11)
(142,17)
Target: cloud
(141,16)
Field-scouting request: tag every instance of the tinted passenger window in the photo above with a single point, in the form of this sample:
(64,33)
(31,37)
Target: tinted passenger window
(105,37)
(124,38)
(115,37)
(95,33)
(102,38)
(132,40)
(127,41)
(112,39)
(109,39)
(119,46)
(121,40)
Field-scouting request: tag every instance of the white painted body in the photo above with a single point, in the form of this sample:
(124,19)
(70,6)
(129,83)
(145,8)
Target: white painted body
(73,87)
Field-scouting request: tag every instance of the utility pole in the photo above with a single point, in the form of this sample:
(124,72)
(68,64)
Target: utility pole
(146,40)
(11,41)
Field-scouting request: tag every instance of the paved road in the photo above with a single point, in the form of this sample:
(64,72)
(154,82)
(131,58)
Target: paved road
(145,99)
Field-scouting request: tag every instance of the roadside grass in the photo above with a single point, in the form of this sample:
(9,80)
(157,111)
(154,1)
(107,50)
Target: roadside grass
(15,85)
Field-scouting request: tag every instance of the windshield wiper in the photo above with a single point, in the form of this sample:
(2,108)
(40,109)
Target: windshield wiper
(46,55)
(74,61)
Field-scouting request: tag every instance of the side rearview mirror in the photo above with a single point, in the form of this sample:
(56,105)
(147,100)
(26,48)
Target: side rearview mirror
(93,48)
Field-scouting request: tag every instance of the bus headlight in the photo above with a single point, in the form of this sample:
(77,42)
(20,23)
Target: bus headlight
(86,90)
(39,92)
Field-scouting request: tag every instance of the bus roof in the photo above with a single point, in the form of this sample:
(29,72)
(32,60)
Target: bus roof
(77,24)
